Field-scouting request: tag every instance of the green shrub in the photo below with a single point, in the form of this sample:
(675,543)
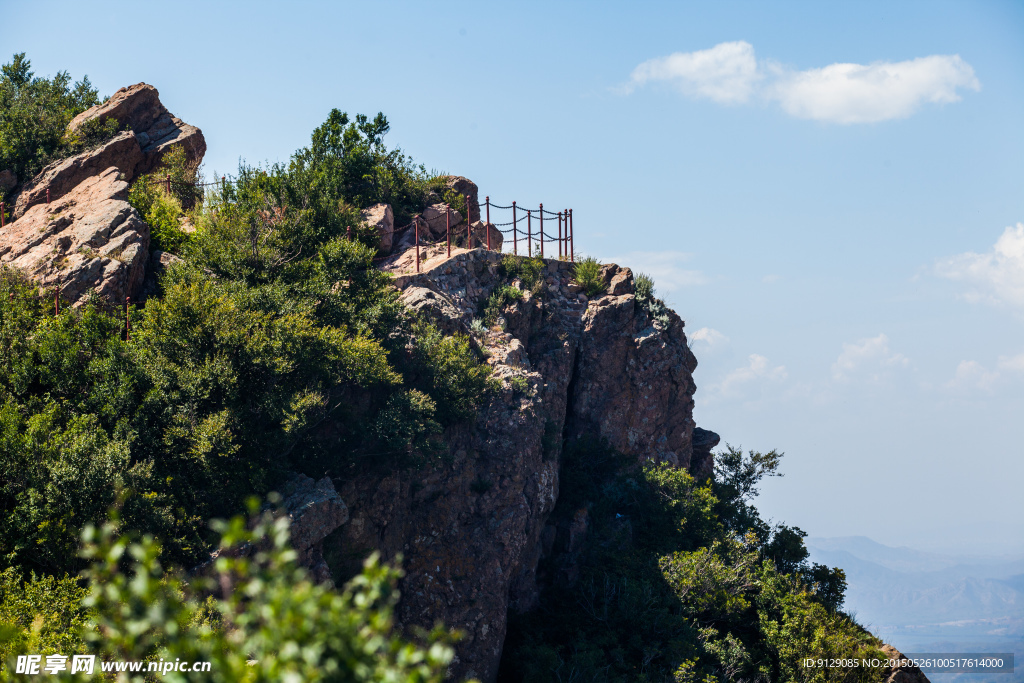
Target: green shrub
(530,271)
(644,287)
(520,385)
(164,219)
(164,211)
(456,201)
(588,276)
(267,620)
(448,370)
(40,615)
(34,114)
(496,302)
(667,590)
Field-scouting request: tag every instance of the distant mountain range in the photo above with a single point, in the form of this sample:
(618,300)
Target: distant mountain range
(928,602)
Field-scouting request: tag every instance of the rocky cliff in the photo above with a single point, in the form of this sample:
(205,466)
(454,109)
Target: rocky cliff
(74,230)
(472,530)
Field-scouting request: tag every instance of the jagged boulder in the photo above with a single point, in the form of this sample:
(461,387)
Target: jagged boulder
(59,178)
(435,307)
(381,217)
(438,218)
(139,109)
(89,239)
(151,132)
(466,188)
(702,462)
(315,510)
(479,235)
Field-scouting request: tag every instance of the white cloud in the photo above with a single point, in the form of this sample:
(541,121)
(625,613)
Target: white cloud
(758,369)
(729,73)
(858,93)
(1012,363)
(997,276)
(709,336)
(971,374)
(726,73)
(665,267)
(869,359)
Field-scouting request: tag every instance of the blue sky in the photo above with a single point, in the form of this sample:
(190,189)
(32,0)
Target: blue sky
(830,194)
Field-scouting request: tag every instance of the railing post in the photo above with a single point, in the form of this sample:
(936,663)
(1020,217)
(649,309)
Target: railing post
(529,233)
(559,235)
(487,229)
(469,227)
(448,228)
(47,195)
(348,233)
(224,188)
(542,229)
(416,227)
(3,219)
(127,318)
(515,235)
(56,301)
(565,214)
(572,245)
(168,183)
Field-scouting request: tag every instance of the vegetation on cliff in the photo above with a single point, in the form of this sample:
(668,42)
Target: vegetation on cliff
(678,581)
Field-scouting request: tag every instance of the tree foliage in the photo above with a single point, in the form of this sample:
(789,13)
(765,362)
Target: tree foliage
(34,114)
(254,615)
(678,580)
(275,347)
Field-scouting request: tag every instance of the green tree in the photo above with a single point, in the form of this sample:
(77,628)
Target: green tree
(254,615)
(34,114)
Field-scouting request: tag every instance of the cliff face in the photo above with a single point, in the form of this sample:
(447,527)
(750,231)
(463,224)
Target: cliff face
(472,530)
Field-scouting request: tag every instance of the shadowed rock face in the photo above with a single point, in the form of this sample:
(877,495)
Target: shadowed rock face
(314,510)
(89,239)
(151,131)
(472,529)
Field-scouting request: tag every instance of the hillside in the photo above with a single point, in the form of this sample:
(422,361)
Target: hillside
(930,602)
(516,433)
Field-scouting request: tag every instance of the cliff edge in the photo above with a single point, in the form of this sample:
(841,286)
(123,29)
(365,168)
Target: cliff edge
(472,530)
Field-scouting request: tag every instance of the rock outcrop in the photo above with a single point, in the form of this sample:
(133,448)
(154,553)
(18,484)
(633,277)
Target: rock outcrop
(138,108)
(634,383)
(901,674)
(151,131)
(479,235)
(121,152)
(702,464)
(315,510)
(466,188)
(439,217)
(90,239)
(382,218)
(473,529)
